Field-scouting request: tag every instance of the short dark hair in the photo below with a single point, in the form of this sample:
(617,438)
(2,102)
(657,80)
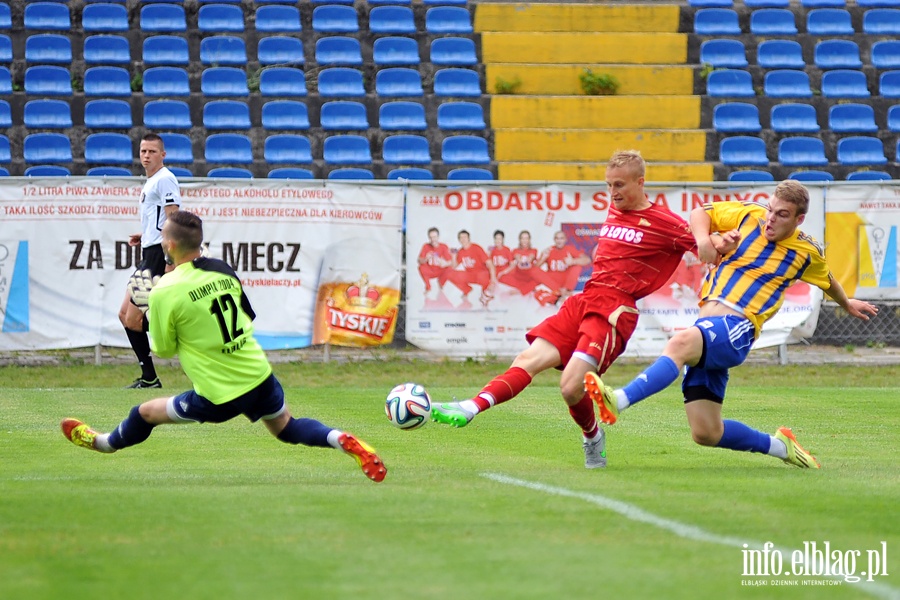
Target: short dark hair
(153,137)
(186,230)
(434,229)
(499,232)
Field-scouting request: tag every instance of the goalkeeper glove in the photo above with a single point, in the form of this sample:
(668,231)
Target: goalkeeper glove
(139,286)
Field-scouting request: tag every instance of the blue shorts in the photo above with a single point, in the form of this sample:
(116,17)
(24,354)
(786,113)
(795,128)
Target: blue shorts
(265,401)
(726,343)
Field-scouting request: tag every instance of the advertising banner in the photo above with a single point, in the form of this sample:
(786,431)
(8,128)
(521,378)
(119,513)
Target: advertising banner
(546,233)
(317,260)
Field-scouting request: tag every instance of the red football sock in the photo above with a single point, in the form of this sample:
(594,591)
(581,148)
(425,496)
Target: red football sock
(503,387)
(583,415)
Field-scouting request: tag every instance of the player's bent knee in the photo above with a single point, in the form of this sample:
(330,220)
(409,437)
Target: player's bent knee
(706,437)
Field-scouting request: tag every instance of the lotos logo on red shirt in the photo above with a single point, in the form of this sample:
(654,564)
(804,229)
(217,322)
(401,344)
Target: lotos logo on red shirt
(626,234)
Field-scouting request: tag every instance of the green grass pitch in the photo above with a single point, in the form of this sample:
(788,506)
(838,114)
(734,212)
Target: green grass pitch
(500,509)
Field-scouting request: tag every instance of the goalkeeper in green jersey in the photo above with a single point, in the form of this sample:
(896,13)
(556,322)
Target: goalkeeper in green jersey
(200,312)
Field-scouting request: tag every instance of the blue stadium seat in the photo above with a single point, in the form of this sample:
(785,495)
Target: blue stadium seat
(767,3)
(107,114)
(220,18)
(711,3)
(347,150)
(178,148)
(811,175)
(399,82)
(335,19)
(460,115)
(878,3)
(5,154)
(406,149)
(343,115)
(381,2)
(716,21)
(889,84)
(465,150)
(882,21)
(280,50)
(108,171)
(282,81)
(48,48)
(165,50)
(787,84)
(802,152)
(392,19)
(837,54)
(772,21)
(167,114)
(404,116)
(823,3)
(47,148)
(105,18)
(275,18)
(743,150)
(108,148)
(730,83)
(457,83)
(861,150)
(223,81)
(50,16)
(338,50)
(106,81)
(893,118)
(5,81)
(411,173)
(736,117)
(5,16)
(179,172)
(6,53)
(750,175)
(163,18)
(458,2)
(886,54)
(285,114)
(794,118)
(5,114)
(287,149)
(453,51)
(842,83)
(230,173)
(393,51)
(48,114)
(351,173)
(223,50)
(723,53)
(226,114)
(166,81)
(291,173)
(47,171)
(231,148)
(829,21)
(852,118)
(448,19)
(470,174)
(107,50)
(341,82)
(869,176)
(780,54)
(45,80)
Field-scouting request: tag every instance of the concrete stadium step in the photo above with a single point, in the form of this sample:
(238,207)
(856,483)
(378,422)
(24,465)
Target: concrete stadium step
(595,112)
(576,17)
(563,79)
(578,47)
(580,171)
(596,145)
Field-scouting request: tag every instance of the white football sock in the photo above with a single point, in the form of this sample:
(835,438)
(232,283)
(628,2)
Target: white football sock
(470,406)
(777,448)
(621,400)
(333,437)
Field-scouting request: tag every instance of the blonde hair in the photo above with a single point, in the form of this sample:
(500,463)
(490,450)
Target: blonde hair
(630,159)
(791,190)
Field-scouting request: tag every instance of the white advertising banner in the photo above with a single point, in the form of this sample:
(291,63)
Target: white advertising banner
(65,258)
(448,311)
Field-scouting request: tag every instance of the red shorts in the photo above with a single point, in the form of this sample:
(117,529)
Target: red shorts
(600,329)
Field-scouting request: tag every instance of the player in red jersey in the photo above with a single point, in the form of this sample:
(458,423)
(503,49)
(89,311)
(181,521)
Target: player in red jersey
(520,271)
(471,265)
(434,260)
(563,263)
(639,247)
(500,253)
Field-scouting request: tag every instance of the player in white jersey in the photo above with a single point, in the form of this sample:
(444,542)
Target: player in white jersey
(160,197)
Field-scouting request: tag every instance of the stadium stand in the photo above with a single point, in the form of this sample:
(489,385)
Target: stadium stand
(392,19)
(47,80)
(811,175)
(335,19)
(882,21)
(287,149)
(730,83)
(347,150)
(47,114)
(5,16)
(230,173)
(226,114)
(224,81)
(5,114)
(829,21)
(448,20)
(47,16)
(231,148)
(453,51)
(395,51)
(743,151)
(107,50)
(729,54)
(165,50)
(406,149)
(893,118)
(47,148)
(282,81)
(852,118)
(341,82)
(275,18)
(107,114)
(861,151)
(460,115)
(223,50)
(886,54)
(280,50)
(716,21)
(108,148)
(48,48)
(163,18)
(460,83)
(167,114)
(338,50)
(736,117)
(843,83)
(178,148)
(104,18)
(106,81)
(403,116)
(166,81)
(285,114)
(802,151)
(343,115)
(47,171)
(220,18)
(837,54)
(290,173)
(869,176)
(794,118)
(351,173)
(772,21)
(889,84)
(5,81)
(750,175)
(411,173)
(465,150)
(780,54)
(6,52)
(398,82)
(470,174)
(787,84)
(108,172)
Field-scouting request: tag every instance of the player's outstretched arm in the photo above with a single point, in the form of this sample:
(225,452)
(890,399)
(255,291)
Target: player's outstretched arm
(856,308)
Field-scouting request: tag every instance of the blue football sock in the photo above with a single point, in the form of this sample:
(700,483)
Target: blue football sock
(738,436)
(133,430)
(308,432)
(655,378)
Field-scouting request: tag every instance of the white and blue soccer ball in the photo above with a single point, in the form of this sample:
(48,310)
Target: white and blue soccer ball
(408,406)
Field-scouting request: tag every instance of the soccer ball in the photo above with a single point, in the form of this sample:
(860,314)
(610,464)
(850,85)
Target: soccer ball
(408,406)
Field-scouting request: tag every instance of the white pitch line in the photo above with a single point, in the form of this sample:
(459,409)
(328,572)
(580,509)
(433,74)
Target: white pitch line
(633,513)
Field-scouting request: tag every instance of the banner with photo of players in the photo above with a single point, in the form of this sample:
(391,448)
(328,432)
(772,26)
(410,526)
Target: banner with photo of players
(487,263)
